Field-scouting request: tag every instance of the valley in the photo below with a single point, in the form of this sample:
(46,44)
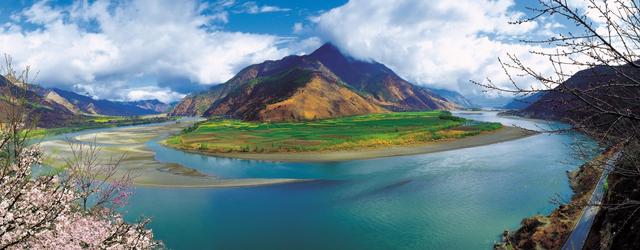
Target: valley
(345,124)
(281,124)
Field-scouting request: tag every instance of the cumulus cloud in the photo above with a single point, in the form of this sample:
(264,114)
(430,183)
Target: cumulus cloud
(105,44)
(441,43)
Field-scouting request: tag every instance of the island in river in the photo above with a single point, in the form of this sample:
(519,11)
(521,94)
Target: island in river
(341,139)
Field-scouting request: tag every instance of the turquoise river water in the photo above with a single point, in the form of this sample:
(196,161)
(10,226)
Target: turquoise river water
(459,199)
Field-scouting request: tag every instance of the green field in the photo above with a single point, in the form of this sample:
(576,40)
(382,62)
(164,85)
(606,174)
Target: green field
(348,133)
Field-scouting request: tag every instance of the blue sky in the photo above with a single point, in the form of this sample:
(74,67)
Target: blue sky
(280,23)
(139,49)
(276,22)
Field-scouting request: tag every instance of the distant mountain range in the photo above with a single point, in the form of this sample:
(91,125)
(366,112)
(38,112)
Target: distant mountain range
(455,97)
(323,84)
(55,107)
(81,104)
(523,102)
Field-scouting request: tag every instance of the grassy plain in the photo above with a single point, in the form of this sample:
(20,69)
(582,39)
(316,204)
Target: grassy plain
(339,134)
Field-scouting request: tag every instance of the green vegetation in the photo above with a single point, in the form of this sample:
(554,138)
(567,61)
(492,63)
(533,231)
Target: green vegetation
(348,133)
(96,123)
(109,119)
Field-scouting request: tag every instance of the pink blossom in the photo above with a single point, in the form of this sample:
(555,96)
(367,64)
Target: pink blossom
(44,213)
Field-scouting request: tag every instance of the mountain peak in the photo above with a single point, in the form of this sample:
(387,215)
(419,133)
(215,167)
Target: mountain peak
(326,50)
(323,84)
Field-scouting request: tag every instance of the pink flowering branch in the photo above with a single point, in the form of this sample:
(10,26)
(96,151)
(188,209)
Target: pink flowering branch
(52,211)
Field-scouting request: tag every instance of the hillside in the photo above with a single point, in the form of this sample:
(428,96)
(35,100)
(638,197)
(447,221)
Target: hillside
(42,111)
(324,84)
(600,85)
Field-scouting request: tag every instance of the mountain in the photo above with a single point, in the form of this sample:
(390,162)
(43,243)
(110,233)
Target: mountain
(601,83)
(524,102)
(323,84)
(454,97)
(42,111)
(57,107)
(81,104)
(196,104)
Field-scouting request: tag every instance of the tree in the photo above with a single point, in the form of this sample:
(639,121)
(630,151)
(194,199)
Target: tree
(51,211)
(602,100)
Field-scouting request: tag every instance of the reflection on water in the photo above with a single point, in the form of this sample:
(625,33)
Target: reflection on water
(460,199)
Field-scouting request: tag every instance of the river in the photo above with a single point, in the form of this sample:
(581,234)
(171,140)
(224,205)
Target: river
(459,199)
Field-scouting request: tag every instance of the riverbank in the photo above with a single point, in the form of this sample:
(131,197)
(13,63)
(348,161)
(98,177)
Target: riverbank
(551,231)
(485,138)
(141,162)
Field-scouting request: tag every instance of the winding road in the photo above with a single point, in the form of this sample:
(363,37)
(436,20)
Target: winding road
(581,230)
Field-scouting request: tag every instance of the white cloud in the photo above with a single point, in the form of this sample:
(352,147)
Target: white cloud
(165,95)
(105,44)
(440,43)
(124,91)
(41,13)
(297,28)
(305,45)
(253,8)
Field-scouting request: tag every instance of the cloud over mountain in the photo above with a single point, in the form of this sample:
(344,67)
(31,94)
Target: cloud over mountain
(443,43)
(101,45)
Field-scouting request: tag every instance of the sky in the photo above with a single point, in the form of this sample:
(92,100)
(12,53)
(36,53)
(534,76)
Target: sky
(163,49)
